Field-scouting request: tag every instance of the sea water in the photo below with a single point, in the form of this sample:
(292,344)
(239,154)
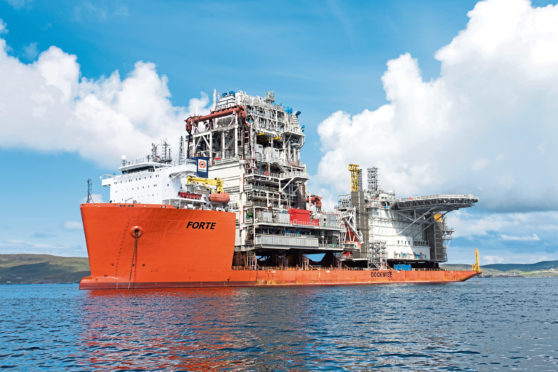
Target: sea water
(481,324)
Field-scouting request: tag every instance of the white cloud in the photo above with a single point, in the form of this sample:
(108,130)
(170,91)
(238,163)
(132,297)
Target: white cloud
(14,246)
(480,164)
(95,198)
(489,259)
(31,51)
(47,105)
(509,225)
(3,27)
(485,126)
(18,4)
(526,238)
(489,255)
(13,243)
(519,237)
(72,225)
(517,258)
(88,11)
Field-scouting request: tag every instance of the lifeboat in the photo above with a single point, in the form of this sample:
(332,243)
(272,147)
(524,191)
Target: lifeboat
(223,197)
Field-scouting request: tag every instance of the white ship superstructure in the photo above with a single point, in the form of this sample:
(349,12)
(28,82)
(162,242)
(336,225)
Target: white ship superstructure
(252,146)
(155,179)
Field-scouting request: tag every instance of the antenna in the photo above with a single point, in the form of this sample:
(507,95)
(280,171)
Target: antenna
(154,151)
(89,193)
(214,99)
(165,150)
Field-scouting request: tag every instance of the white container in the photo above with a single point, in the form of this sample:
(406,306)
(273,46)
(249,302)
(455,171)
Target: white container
(283,218)
(267,216)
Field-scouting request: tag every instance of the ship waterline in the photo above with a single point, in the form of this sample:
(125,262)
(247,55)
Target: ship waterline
(295,277)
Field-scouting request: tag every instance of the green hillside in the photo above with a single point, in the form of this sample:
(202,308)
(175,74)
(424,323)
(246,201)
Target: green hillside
(543,265)
(41,268)
(542,269)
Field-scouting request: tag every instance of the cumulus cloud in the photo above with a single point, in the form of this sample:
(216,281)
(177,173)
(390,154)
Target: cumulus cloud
(506,237)
(511,226)
(486,125)
(47,105)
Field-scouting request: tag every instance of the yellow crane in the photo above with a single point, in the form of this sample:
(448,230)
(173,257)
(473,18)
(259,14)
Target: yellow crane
(476,265)
(355,172)
(217,182)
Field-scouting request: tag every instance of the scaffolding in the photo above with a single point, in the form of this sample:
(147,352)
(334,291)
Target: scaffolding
(372,179)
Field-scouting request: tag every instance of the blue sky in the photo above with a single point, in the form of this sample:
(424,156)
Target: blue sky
(328,59)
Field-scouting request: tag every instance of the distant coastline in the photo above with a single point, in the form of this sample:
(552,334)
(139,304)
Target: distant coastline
(41,268)
(44,268)
(543,269)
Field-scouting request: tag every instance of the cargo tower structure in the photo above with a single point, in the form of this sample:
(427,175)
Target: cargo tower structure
(382,231)
(253,144)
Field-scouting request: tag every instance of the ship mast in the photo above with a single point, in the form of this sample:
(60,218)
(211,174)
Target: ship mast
(89,191)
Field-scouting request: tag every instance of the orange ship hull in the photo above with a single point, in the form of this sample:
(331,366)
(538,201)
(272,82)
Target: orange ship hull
(159,246)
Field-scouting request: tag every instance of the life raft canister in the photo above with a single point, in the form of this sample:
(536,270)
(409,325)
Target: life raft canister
(220,197)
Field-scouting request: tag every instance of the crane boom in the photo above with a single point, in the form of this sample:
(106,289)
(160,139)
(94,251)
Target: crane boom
(217,182)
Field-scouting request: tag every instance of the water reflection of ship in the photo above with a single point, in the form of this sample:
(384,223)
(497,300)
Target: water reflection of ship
(189,329)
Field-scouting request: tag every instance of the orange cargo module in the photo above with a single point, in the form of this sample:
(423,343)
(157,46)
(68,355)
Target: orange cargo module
(160,246)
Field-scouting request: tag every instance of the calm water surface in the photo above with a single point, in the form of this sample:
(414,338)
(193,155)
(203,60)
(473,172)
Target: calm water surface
(482,324)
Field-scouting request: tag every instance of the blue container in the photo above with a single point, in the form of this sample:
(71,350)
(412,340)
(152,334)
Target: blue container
(402,267)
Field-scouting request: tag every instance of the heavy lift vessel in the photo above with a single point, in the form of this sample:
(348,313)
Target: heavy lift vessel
(251,222)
